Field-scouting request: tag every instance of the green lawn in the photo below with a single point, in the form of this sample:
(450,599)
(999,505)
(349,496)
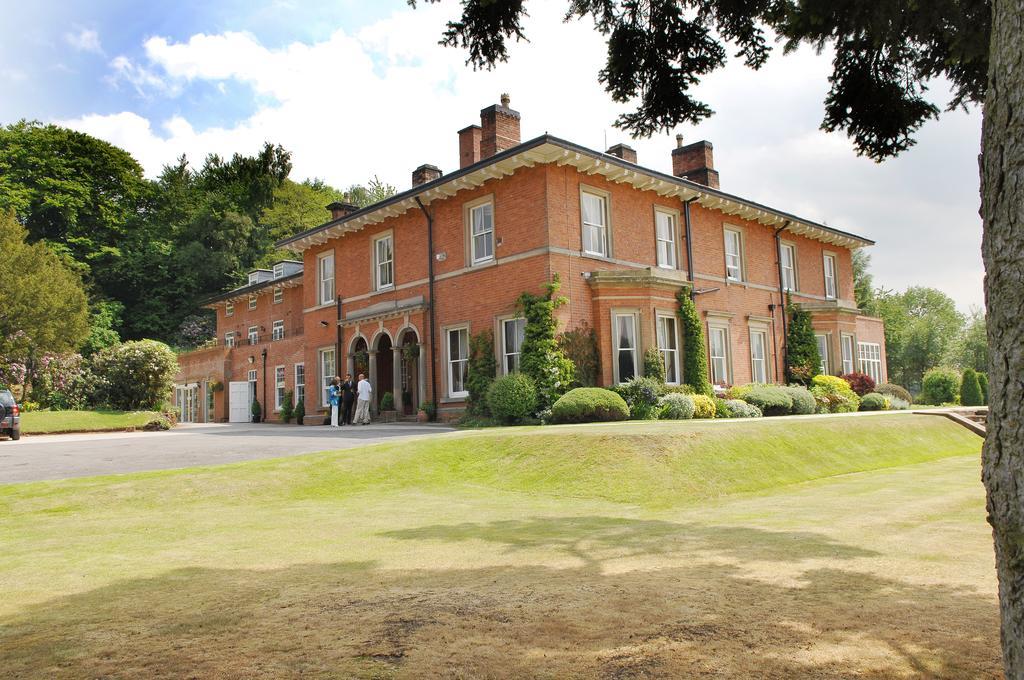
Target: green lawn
(821,548)
(51,422)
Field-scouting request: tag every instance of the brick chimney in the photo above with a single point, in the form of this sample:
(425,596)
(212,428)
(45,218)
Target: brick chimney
(499,128)
(623,151)
(425,173)
(339,210)
(695,162)
(469,145)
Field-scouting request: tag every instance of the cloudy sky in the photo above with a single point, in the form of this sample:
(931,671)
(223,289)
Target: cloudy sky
(356,89)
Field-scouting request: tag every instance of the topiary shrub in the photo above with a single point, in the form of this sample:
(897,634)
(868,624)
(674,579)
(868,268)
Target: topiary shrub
(703,406)
(873,401)
(772,401)
(803,401)
(387,402)
(894,391)
(860,383)
(641,395)
(970,389)
(940,386)
(589,405)
(741,409)
(675,406)
(512,398)
(256,411)
(695,363)
(300,411)
(983,383)
(654,367)
(287,408)
(833,395)
(135,376)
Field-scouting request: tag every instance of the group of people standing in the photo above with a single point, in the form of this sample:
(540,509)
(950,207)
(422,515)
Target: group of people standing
(343,395)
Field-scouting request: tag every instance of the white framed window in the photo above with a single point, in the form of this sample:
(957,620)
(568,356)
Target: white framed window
(300,383)
(278,295)
(384,262)
(251,377)
(846,345)
(512,333)
(787,264)
(325,277)
(594,213)
(733,255)
(823,353)
(229,309)
(252,302)
(254,277)
(254,335)
(830,276)
(229,339)
(458,362)
(278,270)
(759,356)
(278,387)
(481,232)
(718,346)
(626,356)
(277,332)
(668,345)
(665,234)
(325,357)
(871,359)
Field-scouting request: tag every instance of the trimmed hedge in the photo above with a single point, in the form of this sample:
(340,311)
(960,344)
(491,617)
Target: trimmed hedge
(589,405)
(833,394)
(773,401)
(940,386)
(703,406)
(874,401)
(803,401)
(891,390)
(512,398)
(675,406)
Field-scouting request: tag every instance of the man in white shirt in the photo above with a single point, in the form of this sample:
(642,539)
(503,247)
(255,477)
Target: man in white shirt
(363,391)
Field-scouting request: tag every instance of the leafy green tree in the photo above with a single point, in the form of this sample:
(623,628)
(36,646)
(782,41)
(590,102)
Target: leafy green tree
(540,356)
(862,281)
(483,368)
(970,389)
(104,319)
(43,307)
(803,362)
(970,349)
(695,358)
(921,327)
(298,206)
(374,191)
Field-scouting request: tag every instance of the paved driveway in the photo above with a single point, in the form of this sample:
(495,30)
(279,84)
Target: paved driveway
(81,455)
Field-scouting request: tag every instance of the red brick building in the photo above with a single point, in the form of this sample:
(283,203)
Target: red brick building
(396,289)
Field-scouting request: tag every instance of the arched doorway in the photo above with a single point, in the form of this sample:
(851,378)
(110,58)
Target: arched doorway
(360,358)
(384,361)
(408,381)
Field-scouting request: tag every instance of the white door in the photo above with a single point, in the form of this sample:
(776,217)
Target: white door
(238,402)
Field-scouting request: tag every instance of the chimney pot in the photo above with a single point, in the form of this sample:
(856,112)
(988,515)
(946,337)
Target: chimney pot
(505,99)
(499,128)
(425,173)
(623,151)
(339,209)
(679,140)
(695,162)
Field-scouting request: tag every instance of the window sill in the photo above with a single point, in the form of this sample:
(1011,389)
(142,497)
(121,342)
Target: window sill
(596,256)
(455,399)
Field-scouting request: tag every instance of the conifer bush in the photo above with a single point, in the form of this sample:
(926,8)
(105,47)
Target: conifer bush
(654,367)
(970,389)
(940,386)
(983,382)
(287,408)
(802,359)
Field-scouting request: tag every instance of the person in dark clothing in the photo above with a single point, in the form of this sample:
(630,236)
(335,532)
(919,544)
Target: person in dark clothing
(348,399)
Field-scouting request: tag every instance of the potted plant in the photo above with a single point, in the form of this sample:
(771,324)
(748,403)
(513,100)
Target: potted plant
(427,412)
(287,408)
(387,408)
(257,411)
(300,411)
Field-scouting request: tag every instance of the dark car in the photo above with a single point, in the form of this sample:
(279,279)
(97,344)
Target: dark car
(10,416)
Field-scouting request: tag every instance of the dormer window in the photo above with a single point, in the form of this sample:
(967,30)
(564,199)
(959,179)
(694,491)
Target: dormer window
(254,277)
(278,270)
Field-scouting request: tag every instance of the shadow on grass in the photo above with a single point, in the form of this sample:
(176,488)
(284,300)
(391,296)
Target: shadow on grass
(595,539)
(361,620)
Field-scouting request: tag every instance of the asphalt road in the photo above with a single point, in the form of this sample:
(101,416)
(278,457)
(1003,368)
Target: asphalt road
(82,455)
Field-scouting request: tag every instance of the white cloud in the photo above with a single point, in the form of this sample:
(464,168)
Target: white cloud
(388,98)
(85,40)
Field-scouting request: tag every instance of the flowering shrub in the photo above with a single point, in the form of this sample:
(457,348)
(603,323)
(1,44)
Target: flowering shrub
(12,372)
(63,382)
(703,406)
(833,394)
(641,395)
(135,375)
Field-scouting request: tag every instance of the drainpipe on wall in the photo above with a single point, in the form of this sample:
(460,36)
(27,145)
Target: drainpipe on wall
(338,342)
(430,288)
(782,297)
(263,411)
(689,247)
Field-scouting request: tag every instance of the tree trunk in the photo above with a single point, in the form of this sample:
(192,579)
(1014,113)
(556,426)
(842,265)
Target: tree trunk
(1002,209)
